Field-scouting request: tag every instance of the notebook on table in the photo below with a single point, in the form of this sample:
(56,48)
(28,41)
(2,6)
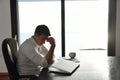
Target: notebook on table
(63,66)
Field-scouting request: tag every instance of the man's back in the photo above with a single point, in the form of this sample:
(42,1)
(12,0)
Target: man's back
(29,59)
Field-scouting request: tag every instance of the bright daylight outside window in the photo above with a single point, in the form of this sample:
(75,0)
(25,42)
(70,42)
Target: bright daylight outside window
(86,25)
(86,22)
(33,13)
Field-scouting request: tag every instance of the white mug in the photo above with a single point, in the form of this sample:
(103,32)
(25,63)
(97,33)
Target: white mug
(72,55)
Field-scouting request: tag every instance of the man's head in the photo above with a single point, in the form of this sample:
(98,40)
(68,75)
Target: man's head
(41,34)
(42,29)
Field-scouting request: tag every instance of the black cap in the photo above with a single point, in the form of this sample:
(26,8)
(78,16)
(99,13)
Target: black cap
(42,29)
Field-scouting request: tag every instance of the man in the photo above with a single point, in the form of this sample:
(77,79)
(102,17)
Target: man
(32,53)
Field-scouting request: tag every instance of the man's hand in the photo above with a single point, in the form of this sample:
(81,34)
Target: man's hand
(51,40)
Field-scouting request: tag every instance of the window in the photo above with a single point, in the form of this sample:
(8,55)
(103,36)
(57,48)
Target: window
(86,25)
(33,13)
(86,22)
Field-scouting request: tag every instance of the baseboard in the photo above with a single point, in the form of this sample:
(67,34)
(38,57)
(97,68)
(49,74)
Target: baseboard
(4,74)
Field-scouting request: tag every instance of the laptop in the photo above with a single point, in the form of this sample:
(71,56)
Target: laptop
(63,66)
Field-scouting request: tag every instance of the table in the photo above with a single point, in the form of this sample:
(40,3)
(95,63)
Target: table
(91,68)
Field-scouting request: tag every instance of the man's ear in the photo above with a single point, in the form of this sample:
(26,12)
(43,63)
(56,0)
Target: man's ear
(35,34)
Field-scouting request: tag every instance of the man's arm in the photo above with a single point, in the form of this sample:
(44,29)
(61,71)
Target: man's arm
(49,56)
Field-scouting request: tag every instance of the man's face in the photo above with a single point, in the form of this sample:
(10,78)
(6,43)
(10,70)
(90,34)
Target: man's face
(41,39)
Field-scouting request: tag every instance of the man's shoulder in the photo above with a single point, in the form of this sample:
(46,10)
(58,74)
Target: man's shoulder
(28,42)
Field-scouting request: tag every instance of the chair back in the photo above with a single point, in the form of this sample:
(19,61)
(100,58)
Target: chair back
(9,49)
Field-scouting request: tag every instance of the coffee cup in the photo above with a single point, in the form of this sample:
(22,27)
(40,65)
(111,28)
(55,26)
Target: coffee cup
(72,55)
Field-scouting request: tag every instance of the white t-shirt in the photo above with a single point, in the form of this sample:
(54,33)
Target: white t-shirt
(31,57)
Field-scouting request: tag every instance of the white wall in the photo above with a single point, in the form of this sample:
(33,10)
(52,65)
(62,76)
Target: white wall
(5,28)
(118,29)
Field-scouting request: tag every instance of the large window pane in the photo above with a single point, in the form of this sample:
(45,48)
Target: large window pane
(34,13)
(86,24)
